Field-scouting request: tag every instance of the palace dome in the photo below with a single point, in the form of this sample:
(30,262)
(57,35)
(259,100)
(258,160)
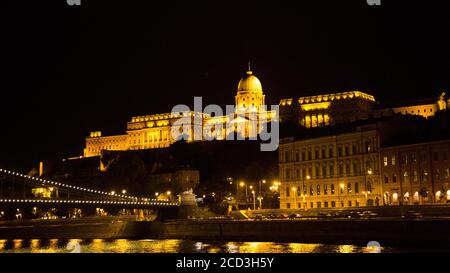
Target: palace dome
(249,83)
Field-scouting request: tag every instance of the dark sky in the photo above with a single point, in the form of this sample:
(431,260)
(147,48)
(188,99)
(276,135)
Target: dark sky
(70,70)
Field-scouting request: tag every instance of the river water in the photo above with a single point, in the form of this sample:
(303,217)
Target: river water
(170,246)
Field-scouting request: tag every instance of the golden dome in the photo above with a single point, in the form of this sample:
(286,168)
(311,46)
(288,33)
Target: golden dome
(249,83)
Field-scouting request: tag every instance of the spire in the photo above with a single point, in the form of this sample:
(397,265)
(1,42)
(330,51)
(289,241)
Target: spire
(249,71)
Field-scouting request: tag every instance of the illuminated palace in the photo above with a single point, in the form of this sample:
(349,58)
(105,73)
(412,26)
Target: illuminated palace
(154,131)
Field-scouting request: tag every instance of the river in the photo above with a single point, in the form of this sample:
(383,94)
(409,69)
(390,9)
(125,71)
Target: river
(171,246)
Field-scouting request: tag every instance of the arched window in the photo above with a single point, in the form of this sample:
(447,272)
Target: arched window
(318,189)
(332,188)
(356,187)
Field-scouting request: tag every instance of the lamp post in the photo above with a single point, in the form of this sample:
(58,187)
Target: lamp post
(367,190)
(295,196)
(254,200)
(242,184)
(304,190)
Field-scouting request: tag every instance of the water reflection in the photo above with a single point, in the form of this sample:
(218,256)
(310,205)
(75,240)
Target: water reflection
(170,246)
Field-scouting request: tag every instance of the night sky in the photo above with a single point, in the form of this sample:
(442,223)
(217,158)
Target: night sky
(69,70)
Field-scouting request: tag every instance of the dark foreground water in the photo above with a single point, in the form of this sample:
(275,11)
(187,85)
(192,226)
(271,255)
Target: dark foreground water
(171,246)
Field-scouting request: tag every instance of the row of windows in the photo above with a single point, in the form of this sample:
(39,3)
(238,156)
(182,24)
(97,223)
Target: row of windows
(415,176)
(318,190)
(326,204)
(326,153)
(412,158)
(418,111)
(106,147)
(327,170)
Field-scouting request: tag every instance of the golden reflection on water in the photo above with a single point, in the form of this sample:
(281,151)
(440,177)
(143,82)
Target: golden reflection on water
(17,243)
(303,248)
(2,244)
(122,246)
(169,246)
(346,249)
(97,245)
(34,245)
(162,246)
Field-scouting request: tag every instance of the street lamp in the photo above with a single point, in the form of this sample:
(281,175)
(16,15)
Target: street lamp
(295,196)
(124,191)
(242,184)
(260,198)
(254,200)
(304,189)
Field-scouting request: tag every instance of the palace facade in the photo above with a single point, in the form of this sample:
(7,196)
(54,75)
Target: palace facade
(157,130)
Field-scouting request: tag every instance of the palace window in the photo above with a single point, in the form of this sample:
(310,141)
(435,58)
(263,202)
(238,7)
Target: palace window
(356,187)
(318,189)
(436,156)
(394,178)
(331,169)
(323,153)
(385,161)
(349,187)
(297,156)
(288,193)
(288,205)
(339,151)
(393,160)
(330,152)
(355,168)
(447,173)
(332,189)
(415,176)
(288,174)
(303,156)
(311,190)
(347,153)
(341,169)
(324,170)
(325,189)
(316,154)
(297,173)
(299,193)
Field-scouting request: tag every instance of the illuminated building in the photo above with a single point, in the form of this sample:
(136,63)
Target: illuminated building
(416,173)
(424,108)
(327,109)
(154,131)
(334,171)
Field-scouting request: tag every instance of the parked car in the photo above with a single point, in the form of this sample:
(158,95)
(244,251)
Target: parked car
(353,215)
(282,216)
(295,216)
(368,214)
(413,215)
